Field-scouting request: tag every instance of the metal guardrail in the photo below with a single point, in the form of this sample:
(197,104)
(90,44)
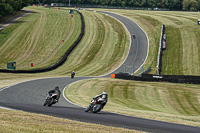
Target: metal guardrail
(145,72)
(160,52)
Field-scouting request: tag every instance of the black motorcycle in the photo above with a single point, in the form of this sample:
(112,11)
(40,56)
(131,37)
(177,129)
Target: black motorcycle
(72,76)
(50,99)
(134,36)
(94,106)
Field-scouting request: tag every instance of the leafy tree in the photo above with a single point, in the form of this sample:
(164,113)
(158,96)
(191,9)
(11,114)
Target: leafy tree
(198,4)
(113,2)
(190,5)
(10,6)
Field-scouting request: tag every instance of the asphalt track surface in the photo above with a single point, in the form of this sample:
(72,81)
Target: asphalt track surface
(30,96)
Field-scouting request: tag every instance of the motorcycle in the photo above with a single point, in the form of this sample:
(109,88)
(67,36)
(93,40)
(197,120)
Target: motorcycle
(94,106)
(133,36)
(50,99)
(72,76)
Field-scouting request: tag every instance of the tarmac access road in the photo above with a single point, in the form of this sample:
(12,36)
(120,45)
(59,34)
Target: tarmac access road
(30,96)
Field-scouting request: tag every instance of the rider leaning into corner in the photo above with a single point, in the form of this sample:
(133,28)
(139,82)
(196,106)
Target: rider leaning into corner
(57,91)
(103,97)
(73,73)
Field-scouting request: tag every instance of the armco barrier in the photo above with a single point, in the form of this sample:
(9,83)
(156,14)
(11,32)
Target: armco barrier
(187,79)
(145,72)
(160,52)
(60,62)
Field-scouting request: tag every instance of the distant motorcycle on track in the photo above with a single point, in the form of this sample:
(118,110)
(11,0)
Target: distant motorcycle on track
(72,74)
(134,36)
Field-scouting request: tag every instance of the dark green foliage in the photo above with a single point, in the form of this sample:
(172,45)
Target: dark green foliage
(10,6)
(190,5)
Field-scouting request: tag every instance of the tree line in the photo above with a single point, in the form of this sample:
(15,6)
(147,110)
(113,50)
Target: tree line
(187,5)
(10,6)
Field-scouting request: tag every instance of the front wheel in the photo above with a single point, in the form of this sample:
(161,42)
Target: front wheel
(87,109)
(45,103)
(96,108)
(51,102)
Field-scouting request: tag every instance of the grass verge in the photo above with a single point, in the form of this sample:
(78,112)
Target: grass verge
(103,48)
(37,38)
(18,121)
(183,35)
(177,103)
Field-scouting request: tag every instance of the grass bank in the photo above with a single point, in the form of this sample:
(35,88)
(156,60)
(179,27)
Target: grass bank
(103,48)
(18,121)
(181,100)
(177,103)
(95,55)
(182,56)
(37,38)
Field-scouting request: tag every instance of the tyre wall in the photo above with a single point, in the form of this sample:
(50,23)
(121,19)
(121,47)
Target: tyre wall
(187,79)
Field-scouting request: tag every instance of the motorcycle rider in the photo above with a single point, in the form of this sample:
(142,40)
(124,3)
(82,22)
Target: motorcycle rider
(73,73)
(133,35)
(57,91)
(103,98)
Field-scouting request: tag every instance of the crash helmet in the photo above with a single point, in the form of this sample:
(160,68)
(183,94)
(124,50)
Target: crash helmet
(57,88)
(104,92)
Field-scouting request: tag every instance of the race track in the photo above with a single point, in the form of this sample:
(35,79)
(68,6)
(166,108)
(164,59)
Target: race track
(30,95)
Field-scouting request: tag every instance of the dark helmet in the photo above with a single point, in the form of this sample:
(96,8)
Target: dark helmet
(57,88)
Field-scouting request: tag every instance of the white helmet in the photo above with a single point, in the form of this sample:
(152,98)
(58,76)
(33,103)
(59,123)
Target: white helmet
(104,92)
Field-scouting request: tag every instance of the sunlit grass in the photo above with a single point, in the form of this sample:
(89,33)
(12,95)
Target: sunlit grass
(18,121)
(37,38)
(183,36)
(178,103)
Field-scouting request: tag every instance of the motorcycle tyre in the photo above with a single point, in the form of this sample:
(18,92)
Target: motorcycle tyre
(98,108)
(87,109)
(45,103)
(51,102)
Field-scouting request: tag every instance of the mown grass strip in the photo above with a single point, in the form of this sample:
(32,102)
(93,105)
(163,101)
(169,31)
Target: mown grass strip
(172,57)
(103,48)
(179,103)
(17,121)
(48,26)
(182,52)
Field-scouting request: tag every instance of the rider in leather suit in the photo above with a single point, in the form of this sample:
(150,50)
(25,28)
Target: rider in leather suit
(57,91)
(103,97)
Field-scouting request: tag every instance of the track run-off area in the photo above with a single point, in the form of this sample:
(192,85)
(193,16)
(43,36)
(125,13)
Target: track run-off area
(31,95)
